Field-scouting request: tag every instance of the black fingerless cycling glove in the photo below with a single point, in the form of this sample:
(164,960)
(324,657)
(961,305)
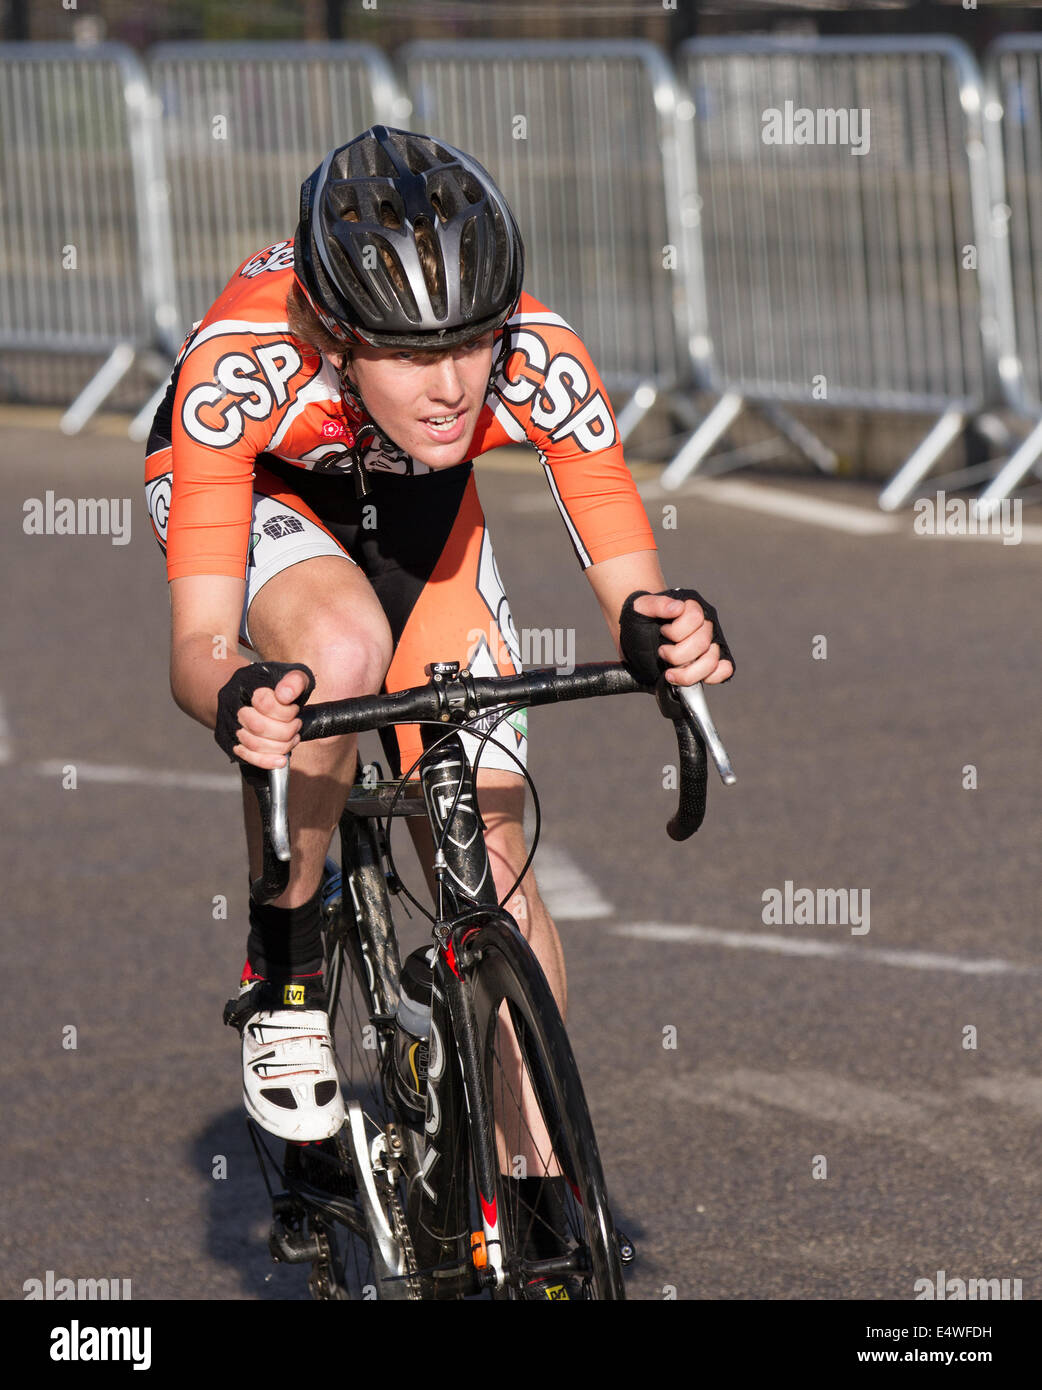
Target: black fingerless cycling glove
(239,691)
(640,637)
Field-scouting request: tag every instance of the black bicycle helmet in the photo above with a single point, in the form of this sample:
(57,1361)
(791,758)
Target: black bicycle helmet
(368,212)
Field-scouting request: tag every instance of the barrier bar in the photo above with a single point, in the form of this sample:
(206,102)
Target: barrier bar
(243,126)
(1013,115)
(594,154)
(846,228)
(81,211)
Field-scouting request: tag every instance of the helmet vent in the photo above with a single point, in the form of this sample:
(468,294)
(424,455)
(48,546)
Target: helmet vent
(467,265)
(429,252)
(408,242)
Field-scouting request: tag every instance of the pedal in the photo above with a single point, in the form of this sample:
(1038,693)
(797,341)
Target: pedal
(288,1241)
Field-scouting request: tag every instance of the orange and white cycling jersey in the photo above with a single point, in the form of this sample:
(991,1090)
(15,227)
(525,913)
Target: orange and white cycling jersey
(243,386)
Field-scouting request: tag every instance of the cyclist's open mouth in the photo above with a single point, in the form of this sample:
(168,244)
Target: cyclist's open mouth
(446,429)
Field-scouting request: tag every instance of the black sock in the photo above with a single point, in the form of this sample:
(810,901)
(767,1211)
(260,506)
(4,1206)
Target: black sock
(285,941)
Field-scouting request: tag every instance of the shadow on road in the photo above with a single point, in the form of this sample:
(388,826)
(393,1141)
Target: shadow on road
(239,1214)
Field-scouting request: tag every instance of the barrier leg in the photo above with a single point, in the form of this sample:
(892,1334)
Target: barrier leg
(719,419)
(101,385)
(1009,475)
(142,421)
(636,408)
(919,463)
(799,436)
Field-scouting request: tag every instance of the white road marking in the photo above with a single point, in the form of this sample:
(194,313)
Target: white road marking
(837,516)
(816,511)
(5,736)
(569,894)
(1018,1089)
(104,772)
(793,506)
(795,946)
(944,1122)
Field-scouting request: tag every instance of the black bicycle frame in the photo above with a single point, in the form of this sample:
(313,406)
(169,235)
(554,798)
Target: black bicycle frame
(440,1217)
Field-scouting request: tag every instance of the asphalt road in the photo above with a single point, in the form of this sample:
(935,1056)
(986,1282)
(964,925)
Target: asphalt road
(785,1111)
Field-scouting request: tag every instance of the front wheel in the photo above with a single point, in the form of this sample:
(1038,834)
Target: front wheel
(557,1236)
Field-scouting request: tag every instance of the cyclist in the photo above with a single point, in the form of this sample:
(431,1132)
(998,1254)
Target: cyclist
(386,347)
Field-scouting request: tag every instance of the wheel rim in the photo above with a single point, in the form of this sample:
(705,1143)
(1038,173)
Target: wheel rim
(542,1132)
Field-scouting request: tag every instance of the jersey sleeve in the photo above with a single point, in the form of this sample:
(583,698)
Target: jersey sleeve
(553,397)
(235,383)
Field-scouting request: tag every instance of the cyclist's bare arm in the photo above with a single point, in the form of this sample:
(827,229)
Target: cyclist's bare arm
(204,655)
(689,646)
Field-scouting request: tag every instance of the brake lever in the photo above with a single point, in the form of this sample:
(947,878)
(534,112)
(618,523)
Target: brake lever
(278,788)
(693,697)
(272,803)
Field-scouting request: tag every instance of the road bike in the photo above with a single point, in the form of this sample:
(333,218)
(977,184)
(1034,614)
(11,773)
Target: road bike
(480,1176)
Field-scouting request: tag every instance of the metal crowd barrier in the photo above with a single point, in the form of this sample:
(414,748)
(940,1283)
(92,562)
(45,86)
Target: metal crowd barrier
(593,154)
(82,216)
(1013,114)
(904,277)
(243,126)
(846,232)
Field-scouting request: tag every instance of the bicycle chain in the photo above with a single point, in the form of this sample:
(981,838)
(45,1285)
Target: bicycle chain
(404,1239)
(323,1281)
(323,1277)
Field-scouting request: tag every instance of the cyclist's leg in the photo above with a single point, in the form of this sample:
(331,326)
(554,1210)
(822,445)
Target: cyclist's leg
(307,601)
(451,606)
(462,615)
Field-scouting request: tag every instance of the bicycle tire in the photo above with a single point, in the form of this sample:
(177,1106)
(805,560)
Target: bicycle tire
(506,974)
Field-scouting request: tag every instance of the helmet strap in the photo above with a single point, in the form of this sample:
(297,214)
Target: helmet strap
(499,359)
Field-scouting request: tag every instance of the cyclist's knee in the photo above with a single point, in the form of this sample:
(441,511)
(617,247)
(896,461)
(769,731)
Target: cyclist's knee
(324,613)
(345,663)
(346,658)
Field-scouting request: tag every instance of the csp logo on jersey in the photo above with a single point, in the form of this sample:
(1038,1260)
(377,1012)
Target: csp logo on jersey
(244,386)
(157,495)
(277,257)
(557,390)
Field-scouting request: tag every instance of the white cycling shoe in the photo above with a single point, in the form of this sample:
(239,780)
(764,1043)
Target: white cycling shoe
(290,1083)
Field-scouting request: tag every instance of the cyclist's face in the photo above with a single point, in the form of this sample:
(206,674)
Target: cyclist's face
(427,402)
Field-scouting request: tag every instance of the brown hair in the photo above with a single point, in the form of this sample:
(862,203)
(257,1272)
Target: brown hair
(305,324)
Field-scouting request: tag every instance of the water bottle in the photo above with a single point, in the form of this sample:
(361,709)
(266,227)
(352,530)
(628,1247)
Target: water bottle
(413,1031)
(332,890)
